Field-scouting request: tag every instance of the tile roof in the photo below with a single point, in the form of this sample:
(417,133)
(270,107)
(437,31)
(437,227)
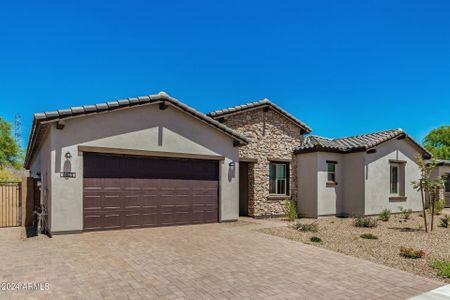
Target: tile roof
(262,103)
(361,142)
(41,119)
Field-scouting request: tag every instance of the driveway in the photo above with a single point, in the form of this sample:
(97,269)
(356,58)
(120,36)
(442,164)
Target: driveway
(226,261)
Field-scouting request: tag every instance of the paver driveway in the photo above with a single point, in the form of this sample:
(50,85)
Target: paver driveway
(196,262)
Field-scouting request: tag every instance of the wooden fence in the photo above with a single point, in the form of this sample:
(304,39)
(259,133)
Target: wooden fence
(10,204)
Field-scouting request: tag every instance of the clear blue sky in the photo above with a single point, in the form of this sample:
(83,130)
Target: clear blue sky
(343,67)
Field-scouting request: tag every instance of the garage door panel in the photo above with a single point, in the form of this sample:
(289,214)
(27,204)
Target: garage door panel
(112,220)
(123,197)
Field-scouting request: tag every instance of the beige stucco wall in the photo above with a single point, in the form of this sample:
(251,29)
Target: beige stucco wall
(377,172)
(307,184)
(363,181)
(272,136)
(329,196)
(135,129)
(41,168)
(353,183)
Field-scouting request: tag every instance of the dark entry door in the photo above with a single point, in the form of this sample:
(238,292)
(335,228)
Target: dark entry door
(243,188)
(130,192)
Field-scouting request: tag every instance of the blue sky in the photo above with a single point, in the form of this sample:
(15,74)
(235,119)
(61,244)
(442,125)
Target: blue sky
(342,67)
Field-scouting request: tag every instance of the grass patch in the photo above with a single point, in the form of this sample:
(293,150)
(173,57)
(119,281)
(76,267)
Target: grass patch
(443,268)
(313,227)
(369,236)
(316,239)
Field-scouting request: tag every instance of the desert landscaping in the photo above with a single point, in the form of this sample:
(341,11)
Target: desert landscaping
(380,244)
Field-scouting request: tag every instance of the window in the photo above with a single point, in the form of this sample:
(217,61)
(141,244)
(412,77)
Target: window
(278,183)
(394,179)
(331,169)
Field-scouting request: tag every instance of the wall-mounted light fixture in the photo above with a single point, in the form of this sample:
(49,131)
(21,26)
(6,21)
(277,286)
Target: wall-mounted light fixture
(232,164)
(68,155)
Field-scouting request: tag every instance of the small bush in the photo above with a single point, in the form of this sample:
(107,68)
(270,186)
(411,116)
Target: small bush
(367,222)
(313,227)
(443,267)
(385,215)
(439,205)
(369,236)
(411,253)
(406,213)
(445,220)
(315,239)
(290,209)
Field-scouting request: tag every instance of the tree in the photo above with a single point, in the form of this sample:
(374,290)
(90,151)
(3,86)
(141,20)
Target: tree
(427,186)
(437,142)
(10,152)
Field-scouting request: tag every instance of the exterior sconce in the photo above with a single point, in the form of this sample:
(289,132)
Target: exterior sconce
(232,164)
(68,155)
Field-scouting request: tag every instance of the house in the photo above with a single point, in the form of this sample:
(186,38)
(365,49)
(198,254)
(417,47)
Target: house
(443,169)
(358,175)
(154,161)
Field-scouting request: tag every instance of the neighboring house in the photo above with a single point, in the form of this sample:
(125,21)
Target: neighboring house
(146,161)
(268,171)
(153,161)
(443,168)
(358,175)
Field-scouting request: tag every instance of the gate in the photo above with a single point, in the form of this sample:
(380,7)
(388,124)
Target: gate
(10,204)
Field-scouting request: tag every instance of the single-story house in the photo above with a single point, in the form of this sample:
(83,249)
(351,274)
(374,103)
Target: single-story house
(154,161)
(443,169)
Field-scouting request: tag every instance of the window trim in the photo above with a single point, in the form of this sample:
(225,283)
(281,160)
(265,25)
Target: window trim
(286,178)
(391,167)
(333,173)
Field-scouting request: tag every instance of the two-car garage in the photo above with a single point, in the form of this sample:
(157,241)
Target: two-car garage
(131,192)
(139,162)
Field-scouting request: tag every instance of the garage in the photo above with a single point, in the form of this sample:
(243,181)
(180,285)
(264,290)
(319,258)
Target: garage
(130,192)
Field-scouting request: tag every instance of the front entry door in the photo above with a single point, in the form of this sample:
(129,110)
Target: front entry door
(243,189)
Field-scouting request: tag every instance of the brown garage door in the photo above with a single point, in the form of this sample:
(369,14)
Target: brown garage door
(130,192)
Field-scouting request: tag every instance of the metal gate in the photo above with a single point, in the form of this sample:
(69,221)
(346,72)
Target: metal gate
(10,204)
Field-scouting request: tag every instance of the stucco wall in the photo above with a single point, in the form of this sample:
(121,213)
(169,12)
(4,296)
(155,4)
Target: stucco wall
(353,184)
(272,136)
(136,129)
(329,196)
(377,170)
(40,168)
(307,184)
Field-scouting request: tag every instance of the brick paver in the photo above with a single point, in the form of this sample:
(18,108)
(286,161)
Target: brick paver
(220,261)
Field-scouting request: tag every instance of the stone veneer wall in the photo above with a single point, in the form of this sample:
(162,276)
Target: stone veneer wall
(272,136)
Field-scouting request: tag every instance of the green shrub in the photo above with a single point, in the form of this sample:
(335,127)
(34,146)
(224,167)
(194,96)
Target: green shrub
(313,227)
(439,205)
(411,253)
(406,213)
(385,215)
(290,209)
(369,236)
(445,220)
(443,267)
(367,222)
(315,239)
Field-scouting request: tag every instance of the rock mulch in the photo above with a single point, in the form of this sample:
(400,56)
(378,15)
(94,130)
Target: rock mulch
(339,234)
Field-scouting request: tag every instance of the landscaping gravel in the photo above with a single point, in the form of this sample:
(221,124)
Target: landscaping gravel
(338,234)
